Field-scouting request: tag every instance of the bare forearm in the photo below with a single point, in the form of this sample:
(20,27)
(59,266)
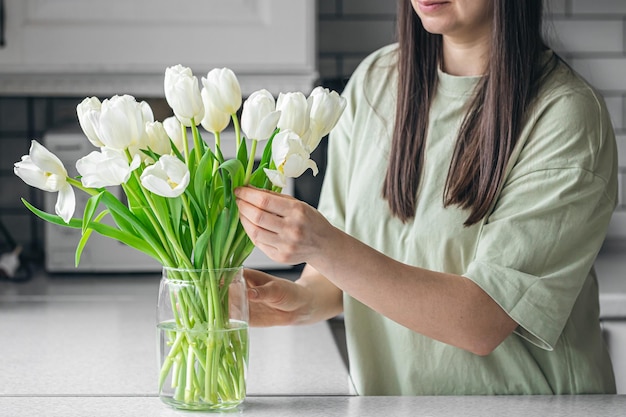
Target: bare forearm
(326,299)
(446,307)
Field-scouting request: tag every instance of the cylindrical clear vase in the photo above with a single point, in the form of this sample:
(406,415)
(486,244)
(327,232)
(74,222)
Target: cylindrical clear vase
(202,322)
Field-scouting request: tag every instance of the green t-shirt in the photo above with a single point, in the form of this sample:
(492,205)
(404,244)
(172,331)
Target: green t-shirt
(533,254)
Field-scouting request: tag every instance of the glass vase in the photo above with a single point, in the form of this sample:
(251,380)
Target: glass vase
(202,322)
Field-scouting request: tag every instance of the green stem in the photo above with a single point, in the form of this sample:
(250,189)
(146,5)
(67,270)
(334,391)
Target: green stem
(192,225)
(250,162)
(218,140)
(196,141)
(237,130)
(218,144)
(183,130)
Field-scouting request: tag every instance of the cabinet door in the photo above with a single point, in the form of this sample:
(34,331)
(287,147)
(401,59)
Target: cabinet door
(615,335)
(140,38)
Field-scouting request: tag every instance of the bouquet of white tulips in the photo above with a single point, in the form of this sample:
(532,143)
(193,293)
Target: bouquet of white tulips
(180,206)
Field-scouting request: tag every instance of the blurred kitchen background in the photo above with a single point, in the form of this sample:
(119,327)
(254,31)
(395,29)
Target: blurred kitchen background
(53,54)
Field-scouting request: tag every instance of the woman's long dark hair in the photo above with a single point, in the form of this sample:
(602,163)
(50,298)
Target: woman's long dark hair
(494,118)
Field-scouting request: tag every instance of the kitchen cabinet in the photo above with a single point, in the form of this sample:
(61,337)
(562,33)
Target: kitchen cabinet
(611,271)
(79,47)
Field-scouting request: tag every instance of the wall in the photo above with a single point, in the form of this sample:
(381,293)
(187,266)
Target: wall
(589,34)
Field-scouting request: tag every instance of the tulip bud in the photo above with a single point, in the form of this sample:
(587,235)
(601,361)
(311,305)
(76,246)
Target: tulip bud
(223,88)
(183,95)
(122,122)
(88,112)
(214,120)
(156,139)
(326,108)
(173,128)
(259,116)
(295,110)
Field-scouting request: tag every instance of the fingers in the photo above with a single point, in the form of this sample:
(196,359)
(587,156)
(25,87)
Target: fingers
(254,277)
(280,293)
(258,217)
(268,201)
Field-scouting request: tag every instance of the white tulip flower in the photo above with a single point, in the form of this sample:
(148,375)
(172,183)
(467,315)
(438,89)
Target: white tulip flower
(276,177)
(295,110)
(157,138)
(106,168)
(183,94)
(44,170)
(290,157)
(326,108)
(259,116)
(168,177)
(173,128)
(88,111)
(122,122)
(215,120)
(224,89)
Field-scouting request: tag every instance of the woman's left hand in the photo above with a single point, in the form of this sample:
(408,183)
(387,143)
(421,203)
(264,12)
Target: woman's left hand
(287,230)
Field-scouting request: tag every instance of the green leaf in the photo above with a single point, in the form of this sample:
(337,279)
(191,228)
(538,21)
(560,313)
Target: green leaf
(267,151)
(219,155)
(90,210)
(200,251)
(235,169)
(258,177)
(176,151)
(85,236)
(219,236)
(74,223)
(103,229)
(233,174)
(149,152)
(203,175)
(175,210)
(242,152)
(119,210)
(126,238)
(232,229)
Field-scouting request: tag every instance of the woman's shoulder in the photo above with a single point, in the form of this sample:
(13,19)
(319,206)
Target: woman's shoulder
(378,64)
(569,126)
(568,91)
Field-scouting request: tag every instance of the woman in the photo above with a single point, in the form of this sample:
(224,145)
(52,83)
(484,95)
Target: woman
(469,187)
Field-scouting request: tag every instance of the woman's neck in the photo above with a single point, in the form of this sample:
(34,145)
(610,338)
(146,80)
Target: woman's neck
(465,58)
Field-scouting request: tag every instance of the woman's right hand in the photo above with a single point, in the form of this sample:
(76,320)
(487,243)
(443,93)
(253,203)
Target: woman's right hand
(278,302)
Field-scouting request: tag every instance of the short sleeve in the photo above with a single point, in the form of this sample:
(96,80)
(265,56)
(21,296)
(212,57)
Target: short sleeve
(332,202)
(537,247)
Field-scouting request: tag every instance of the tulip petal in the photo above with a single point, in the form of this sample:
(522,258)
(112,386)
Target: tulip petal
(66,203)
(296,165)
(46,160)
(276,177)
(168,177)
(31,174)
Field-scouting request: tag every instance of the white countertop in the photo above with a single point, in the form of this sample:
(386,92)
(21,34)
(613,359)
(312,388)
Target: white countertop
(330,406)
(85,345)
(96,335)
